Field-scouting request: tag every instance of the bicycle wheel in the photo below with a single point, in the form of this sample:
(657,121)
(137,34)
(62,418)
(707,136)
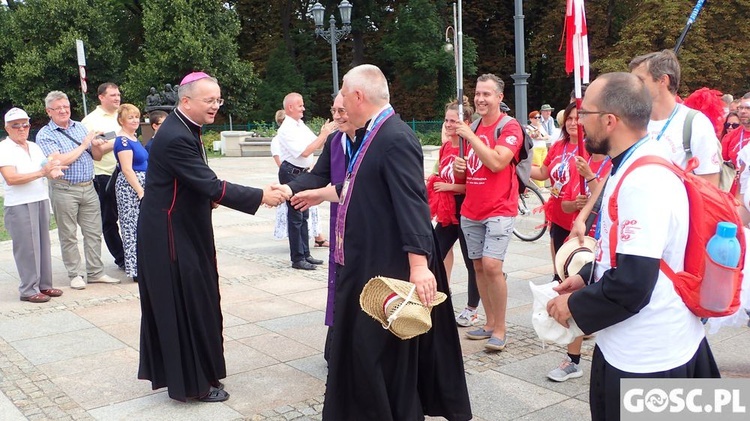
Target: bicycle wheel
(531,222)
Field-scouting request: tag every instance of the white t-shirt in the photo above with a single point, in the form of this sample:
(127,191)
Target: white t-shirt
(294,137)
(743,159)
(13,155)
(275,148)
(703,141)
(665,333)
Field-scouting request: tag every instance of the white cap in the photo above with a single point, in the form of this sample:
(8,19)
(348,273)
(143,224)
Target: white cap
(15,114)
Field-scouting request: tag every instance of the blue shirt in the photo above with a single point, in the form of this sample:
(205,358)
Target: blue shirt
(51,139)
(140,155)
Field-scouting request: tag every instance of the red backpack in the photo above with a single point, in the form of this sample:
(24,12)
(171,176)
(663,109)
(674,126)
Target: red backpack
(709,206)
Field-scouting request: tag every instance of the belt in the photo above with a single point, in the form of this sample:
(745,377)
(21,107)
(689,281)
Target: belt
(295,169)
(81,184)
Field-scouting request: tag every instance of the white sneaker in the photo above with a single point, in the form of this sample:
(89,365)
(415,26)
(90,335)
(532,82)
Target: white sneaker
(104,279)
(77,283)
(567,370)
(467,317)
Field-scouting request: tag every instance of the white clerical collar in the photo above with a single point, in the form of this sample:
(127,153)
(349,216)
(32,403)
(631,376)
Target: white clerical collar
(188,118)
(372,118)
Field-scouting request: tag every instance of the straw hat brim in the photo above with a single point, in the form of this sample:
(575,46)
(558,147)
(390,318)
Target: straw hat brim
(562,257)
(413,320)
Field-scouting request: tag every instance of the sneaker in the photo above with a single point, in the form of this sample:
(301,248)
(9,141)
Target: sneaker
(104,279)
(479,334)
(467,317)
(567,370)
(77,283)
(495,344)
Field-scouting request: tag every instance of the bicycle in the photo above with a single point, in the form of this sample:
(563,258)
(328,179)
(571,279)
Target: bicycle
(531,222)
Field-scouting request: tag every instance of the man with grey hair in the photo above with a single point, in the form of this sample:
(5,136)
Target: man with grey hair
(182,346)
(491,204)
(383,228)
(623,295)
(660,71)
(74,199)
(296,146)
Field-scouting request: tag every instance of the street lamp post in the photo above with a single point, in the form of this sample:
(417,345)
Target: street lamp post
(520,77)
(333,34)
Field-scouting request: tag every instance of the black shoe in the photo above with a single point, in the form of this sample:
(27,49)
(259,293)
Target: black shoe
(313,260)
(302,264)
(215,395)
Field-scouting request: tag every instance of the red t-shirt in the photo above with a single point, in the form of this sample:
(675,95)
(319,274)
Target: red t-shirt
(561,163)
(601,170)
(732,143)
(490,194)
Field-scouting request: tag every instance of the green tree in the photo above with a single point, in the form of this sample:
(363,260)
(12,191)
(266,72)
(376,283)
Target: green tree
(37,38)
(193,35)
(281,78)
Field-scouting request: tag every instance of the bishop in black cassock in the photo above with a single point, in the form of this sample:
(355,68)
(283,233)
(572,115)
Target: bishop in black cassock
(181,324)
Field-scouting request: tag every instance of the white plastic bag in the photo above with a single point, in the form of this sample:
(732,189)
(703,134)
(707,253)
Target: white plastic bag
(545,326)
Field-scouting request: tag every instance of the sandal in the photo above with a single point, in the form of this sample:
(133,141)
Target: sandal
(322,243)
(36,298)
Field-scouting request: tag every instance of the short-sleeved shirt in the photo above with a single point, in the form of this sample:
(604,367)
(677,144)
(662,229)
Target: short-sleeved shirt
(561,164)
(448,154)
(140,155)
(490,194)
(102,121)
(294,137)
(13,155)
(703,141)
(733,144)
(51,139)
(664,334)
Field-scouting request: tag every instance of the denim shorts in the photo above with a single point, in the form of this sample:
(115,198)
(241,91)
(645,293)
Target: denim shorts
(489,237)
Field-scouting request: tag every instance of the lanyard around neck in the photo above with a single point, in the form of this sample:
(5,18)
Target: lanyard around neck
(664,129)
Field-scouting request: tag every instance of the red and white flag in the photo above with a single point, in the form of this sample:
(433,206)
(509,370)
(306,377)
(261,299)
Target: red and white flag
(577,44)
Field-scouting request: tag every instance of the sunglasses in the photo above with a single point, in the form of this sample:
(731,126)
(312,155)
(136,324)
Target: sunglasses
(20,126)
(732,125)
(537,117)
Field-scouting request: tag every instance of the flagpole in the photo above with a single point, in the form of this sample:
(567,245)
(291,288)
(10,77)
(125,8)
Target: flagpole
(459,36)
(691,19)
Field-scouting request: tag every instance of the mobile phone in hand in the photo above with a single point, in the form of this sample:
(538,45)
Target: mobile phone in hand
(107,136)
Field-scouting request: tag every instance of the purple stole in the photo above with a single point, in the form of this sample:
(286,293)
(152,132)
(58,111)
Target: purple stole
(338,173)
(346,192)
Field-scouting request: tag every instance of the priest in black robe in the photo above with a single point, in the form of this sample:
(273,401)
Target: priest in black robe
(383,228)
(181,323)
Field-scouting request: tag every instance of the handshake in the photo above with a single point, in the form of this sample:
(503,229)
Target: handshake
(276,194)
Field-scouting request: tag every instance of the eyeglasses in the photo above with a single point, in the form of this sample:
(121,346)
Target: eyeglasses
(732,125)
(582,113)
(211,101)
(60,108)
(338,110)
(20,126)
(537,117)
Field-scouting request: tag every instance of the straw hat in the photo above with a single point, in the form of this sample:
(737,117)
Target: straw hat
(572,256)
(396,306)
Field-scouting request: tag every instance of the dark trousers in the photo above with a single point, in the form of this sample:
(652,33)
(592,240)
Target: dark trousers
(447,236)
(299,238)
(604,391)
(110,230)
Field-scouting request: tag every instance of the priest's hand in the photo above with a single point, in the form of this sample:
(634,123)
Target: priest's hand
(303,200)
(421,276)
(272,197)
(558,309)
(284,189)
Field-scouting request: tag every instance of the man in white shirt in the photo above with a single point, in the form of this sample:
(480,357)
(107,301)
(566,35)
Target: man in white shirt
(547,121)
(296,146)
(104,119)
(660,72)
(645,329)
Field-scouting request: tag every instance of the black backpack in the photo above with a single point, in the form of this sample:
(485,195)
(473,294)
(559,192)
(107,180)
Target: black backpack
(523,163)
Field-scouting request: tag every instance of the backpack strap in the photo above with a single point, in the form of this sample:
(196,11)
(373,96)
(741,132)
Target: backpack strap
(687,132)
(613,206)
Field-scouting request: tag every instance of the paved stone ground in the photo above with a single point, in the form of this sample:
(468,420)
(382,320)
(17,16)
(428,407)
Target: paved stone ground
(76,357)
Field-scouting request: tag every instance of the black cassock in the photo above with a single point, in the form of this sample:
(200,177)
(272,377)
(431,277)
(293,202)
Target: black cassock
(182,346)
(372,374)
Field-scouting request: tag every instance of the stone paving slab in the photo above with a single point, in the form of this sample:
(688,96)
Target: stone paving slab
(77,356)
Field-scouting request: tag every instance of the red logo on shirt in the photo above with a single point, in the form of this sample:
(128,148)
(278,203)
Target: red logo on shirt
(629,230)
